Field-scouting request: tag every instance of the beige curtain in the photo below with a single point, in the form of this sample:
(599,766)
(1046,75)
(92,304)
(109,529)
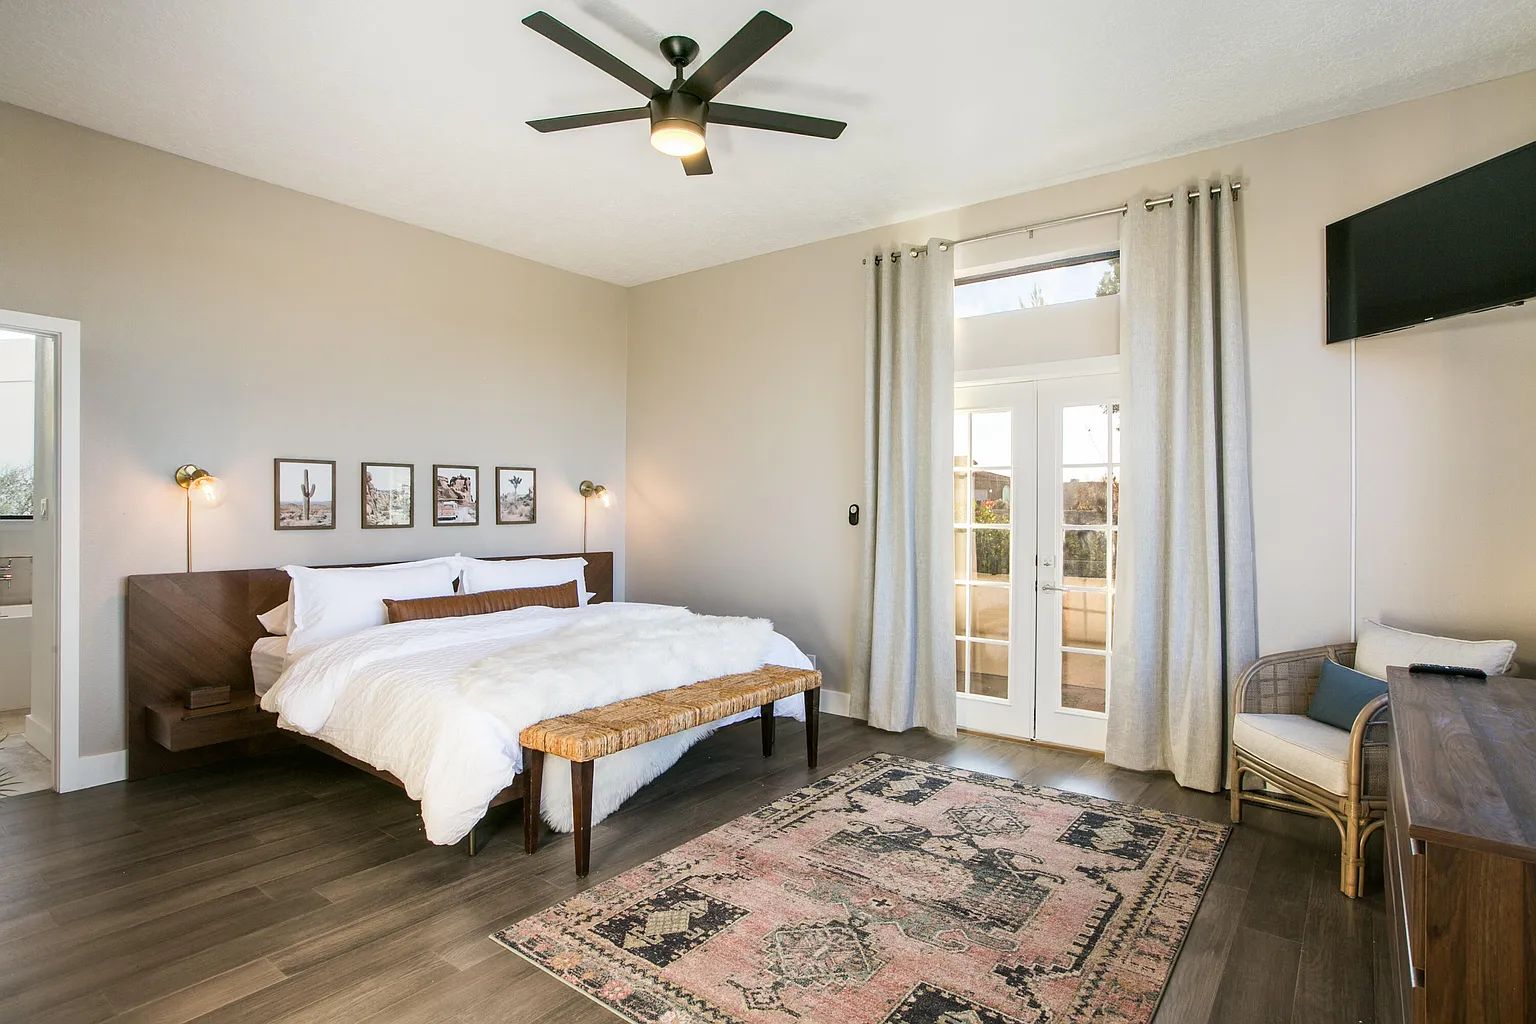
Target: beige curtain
(1185,621)
(906,646)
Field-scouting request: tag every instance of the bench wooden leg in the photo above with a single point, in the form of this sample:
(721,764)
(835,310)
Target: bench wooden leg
(812,723)
(766,714)
(533,790)
(581,812)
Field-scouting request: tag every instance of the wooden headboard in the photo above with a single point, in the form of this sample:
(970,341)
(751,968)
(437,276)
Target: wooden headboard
(189,629)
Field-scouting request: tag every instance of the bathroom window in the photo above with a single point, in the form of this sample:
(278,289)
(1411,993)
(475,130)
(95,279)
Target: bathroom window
(17,398)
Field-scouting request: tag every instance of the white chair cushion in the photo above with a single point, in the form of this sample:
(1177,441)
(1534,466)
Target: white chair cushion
(1380,646)
(1308,749)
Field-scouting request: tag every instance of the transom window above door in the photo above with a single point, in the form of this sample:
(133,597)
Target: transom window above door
(1043,284)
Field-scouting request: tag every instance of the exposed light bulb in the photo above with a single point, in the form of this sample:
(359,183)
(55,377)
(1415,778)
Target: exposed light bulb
(209,491)
(676,137)
(605,496)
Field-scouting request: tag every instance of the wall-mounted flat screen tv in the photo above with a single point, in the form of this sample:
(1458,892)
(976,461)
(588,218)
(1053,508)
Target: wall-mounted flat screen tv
(1464,243)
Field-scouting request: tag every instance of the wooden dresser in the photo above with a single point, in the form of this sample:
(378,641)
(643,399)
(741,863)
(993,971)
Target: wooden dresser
(1461,848)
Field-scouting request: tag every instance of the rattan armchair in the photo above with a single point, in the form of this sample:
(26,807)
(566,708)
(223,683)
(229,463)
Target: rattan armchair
(1353,797)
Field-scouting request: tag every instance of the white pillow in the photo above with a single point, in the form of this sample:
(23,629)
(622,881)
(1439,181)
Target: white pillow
(326,604)
(276,620)
(481,575)
(1380,646)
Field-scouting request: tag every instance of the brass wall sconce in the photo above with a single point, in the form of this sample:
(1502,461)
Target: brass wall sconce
(590,490)
(208,489)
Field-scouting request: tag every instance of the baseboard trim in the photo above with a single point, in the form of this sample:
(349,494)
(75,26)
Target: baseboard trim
(93,770)
(39,737)
(836,702)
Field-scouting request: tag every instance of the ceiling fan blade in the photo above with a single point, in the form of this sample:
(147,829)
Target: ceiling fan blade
(560,124)
(590,52)
(740,52)
(774,121)
(698,163)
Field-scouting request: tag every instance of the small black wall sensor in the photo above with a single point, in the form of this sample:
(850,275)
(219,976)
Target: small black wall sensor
(853,515)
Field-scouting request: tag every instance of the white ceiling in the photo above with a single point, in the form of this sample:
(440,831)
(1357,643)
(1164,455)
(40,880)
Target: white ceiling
(415,110)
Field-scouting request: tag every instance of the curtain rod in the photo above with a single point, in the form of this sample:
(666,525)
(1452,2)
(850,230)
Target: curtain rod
(1123,208)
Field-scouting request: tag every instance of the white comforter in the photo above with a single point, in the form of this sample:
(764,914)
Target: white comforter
(439,703)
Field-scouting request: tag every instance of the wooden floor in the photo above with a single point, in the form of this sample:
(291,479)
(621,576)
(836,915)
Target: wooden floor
(297,889)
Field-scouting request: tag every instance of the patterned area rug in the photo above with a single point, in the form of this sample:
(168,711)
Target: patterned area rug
(894,891)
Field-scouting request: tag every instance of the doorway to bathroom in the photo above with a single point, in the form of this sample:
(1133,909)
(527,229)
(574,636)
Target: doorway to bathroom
(26,695)
(39,554)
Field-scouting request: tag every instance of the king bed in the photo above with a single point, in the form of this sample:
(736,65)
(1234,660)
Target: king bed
(435,704)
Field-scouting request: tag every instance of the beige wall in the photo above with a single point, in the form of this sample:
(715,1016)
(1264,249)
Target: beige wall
(228,322)
(1446,428)
(746,392)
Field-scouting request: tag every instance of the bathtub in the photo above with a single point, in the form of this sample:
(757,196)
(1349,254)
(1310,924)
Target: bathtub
(15,656)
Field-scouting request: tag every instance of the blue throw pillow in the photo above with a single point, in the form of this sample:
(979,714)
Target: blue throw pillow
(1341,693)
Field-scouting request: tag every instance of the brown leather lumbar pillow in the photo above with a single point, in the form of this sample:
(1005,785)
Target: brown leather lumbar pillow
(484,603)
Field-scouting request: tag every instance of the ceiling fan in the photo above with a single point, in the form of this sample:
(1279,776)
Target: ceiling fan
(682,111)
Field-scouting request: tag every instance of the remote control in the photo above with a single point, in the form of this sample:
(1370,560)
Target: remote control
(1420,669)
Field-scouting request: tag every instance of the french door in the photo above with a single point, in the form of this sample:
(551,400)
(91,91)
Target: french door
(1036,489)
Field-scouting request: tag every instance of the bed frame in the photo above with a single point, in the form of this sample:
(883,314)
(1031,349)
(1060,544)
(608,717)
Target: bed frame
(196,629)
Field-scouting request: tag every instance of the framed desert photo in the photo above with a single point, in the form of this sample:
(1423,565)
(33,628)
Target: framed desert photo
(517,496)
(304,494)
(389,497)
(455,495)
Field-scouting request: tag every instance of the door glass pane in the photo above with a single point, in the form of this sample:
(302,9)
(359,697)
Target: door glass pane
(1084,435)
(1115,495)
(991,443)
(960,646)
(992,552)
(1084,619)
(993,491)
(960,624)
(989,612)
(962,439)
(1083,554)
(1082,681)
(962,500)
(1114,433)
(961,565)
(1084,495)
(989,669)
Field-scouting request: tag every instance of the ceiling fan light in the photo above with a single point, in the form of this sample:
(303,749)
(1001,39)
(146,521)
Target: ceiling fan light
(677,137)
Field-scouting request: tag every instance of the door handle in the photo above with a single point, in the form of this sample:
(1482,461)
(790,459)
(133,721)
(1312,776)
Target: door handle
(1050,586)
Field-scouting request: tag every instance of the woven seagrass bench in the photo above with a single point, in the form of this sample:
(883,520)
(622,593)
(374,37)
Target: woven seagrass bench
(585,736)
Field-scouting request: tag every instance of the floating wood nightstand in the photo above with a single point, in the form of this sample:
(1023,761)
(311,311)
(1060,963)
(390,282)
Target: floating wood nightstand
(175,727)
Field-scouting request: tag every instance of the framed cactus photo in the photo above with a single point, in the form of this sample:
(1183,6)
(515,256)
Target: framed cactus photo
(304,494)
(517,495)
